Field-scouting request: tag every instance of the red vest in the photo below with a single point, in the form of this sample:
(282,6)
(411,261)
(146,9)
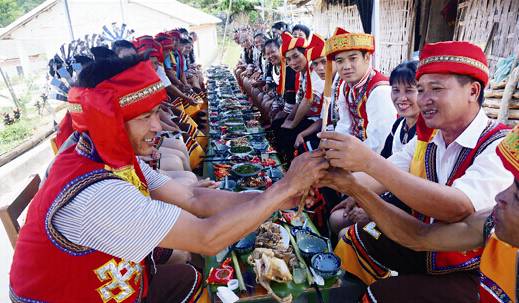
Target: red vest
(357,108)
(445,262)
(316,106)
(48,268)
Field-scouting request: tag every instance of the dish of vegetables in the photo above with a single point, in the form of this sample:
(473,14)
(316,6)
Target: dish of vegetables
(246,169)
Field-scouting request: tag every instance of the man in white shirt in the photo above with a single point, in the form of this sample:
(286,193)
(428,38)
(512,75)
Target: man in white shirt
(444,175)
(365,107)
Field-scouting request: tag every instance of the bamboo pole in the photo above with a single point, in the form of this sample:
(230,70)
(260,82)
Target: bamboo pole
(507,95)
(10,88)
(225,30)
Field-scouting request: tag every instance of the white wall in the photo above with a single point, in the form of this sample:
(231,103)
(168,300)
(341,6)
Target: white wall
(206,48)
(48,31)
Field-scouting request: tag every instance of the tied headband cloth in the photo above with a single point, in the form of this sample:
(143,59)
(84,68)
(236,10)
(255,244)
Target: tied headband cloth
(101,111)
(288,42)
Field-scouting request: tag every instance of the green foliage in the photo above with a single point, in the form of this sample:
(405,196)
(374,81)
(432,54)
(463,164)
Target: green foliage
(13,135)
(27,5)
(9,11)
(217,7)
(12,9)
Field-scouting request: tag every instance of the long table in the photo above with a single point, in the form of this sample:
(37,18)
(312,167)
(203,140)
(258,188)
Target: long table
(303,292)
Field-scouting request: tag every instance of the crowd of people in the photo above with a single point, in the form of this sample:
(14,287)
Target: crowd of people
(417,185)
(416,167)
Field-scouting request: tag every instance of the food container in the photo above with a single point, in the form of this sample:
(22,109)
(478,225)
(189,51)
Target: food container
(253,182)
(327,265)
(309,245)
(246,169)
(241,151)
(259,146)
(245,245)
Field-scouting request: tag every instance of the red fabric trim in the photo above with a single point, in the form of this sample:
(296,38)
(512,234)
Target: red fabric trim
(470,158)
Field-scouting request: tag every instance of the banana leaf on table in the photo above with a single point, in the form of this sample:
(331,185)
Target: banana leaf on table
(256,293)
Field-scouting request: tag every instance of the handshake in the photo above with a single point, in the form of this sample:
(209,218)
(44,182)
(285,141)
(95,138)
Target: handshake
(330,165)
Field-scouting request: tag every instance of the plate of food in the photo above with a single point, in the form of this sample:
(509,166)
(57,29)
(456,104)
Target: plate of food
(241,150)
(240,128)
(246,169)
(241,141)
(272,235)
(253,182)
(232,121)
(253,124)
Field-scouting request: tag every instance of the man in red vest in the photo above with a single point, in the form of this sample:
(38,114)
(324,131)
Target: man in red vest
(449,171)
(101,211)
(364,100)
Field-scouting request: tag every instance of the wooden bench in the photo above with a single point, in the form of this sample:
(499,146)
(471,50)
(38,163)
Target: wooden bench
(10,213)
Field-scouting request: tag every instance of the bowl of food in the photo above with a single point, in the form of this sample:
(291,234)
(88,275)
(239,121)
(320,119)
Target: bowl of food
(245,245)
(275,174)
(241,150)
(240,128)
(230,185)
(241,141)
(246,169)
(220,147)
(252,182)
(259,146)
(327,265)
(230,136)
(233,121)
(214,134)
(309,244)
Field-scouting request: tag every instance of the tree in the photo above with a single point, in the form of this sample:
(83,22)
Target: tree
(27,5)
(9,11)
(217,7)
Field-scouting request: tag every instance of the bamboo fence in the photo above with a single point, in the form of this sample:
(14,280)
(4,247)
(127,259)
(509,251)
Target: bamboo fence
(328,17)
(491,24)
(397,19)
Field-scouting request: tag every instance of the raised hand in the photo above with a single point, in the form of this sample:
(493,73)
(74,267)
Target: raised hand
(306,170)
(346,151)
(338,179)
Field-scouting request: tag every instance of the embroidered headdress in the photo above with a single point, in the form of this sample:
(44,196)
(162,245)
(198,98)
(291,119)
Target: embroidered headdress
(453,57)
(342,41)
(508,151)
(148,45)
(101,111)
(288,42)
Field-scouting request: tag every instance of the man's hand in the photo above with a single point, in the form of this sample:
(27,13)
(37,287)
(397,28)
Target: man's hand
(346,204)
(294,202)
(357,215)
(206,183)
(299,140)
(339,179)
(346,151)
(305,170)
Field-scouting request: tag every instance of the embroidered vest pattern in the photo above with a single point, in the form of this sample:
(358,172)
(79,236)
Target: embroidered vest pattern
(446,262)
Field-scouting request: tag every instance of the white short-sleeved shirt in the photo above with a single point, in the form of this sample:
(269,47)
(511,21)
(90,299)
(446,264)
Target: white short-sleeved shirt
(162,75)
(381,116)
(482,181)
(397,144)
(113,217)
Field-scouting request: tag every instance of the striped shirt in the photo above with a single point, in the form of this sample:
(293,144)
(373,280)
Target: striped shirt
(113,217)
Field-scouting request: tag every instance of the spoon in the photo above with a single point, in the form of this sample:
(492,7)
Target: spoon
(317,278)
